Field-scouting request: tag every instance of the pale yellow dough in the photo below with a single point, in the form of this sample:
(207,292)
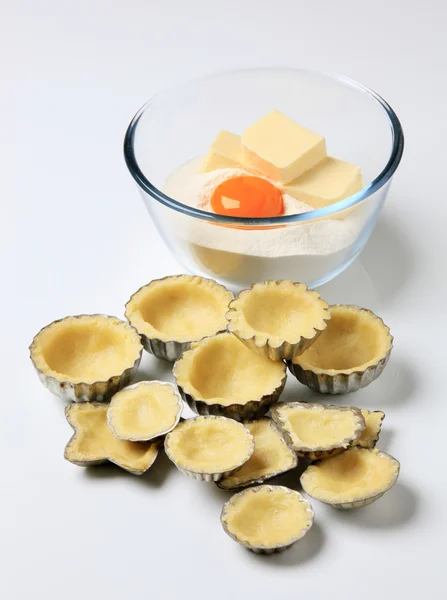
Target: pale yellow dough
(144,410)
(356,474)
(94,441)
(271,456)
(278,311)
(315,426)
(370,434)
(353,340)
(222,370)
(266,517)
(86,349)
(209,444)
(183,308)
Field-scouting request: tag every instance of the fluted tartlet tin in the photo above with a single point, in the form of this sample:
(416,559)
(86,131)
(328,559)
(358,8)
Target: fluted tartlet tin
(332,381)
(362,501)
(262,548)
(161,433)
(252,409)
(270,346)
(97,391)
(318,452)
(340,383)
(371,443)
(168,351)
(257,480)
(171,349)
(153,446)
(202,474)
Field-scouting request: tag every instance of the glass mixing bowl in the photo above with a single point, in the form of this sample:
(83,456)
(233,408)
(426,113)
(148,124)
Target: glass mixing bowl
(178,125)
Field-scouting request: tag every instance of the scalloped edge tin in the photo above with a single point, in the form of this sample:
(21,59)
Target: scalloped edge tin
(375,439)
(343,383)
(286,350)
(365,501)
(98,391)
(203,475)
(262,549)
(101,461)
(169,350)
(254,409)
(262,479)
(320,452)
(161,433)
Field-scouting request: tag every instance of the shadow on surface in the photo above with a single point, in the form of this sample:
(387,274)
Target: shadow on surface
(378,276)
(353,286)
(385,438)
(296,392)
(396,508)
(159,472)
(291,479)
(155,476)
(301,552)
(212,491)
(397,386)
(387,259)
(153,368)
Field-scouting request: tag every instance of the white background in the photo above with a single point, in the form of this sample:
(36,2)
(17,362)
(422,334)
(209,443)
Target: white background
(75,238)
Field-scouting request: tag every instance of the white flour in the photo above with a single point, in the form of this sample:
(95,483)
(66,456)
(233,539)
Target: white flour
(317,238)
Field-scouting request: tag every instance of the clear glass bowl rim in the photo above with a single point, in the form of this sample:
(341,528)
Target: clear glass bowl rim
(386,173)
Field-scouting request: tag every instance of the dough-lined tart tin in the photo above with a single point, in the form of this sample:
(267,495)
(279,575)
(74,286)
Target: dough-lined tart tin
(172,312)
(220,376)
(354,479)
(271,457)
(208,448)
(370,435)
(348,356)
(318,431)
(278,319)
(144,411)
(267,519)
(86,358)
(93,443)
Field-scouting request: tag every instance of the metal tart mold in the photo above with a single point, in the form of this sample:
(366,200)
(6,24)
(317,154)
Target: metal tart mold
(189,449)
(74,388)
(353,498)
(210,358)
(145,401)
(336,379)
(370,435)
(271,457)
(153,308)
(92,425)
(283,415)
(249,314)
(256,545)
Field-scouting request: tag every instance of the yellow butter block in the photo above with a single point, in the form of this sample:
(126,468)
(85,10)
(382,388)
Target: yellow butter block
(280,148)
(330,181)
(224,152)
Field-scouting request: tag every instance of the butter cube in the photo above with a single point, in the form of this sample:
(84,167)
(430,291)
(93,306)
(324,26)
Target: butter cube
(224,152)
(330,181)
(280,148)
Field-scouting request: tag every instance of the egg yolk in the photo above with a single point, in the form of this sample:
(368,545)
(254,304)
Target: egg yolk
(247,196)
